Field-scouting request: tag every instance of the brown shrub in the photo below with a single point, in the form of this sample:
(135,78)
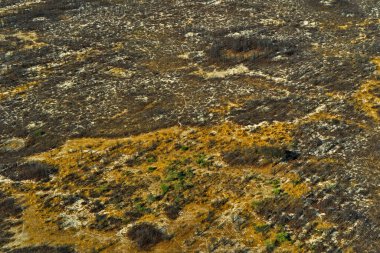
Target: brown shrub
(146,235)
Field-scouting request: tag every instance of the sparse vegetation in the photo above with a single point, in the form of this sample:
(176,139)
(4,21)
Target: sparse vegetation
(250,127)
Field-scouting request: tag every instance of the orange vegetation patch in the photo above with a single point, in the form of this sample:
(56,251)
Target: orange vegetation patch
(175,163)
(368,96)
(17,90)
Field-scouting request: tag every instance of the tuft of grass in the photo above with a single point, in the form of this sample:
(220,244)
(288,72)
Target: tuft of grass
(256,204)
(264,228)
(102,188)
(283,237)
(184,148)
(151,159)
(277,191)
(270,245)
(276,187)
(151,198)
(296,181)
(280,238)
(39,133)
(165,188)
(141,208)
(152,168)
(203,161)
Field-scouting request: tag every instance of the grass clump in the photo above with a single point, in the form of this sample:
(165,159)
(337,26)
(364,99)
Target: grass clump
(280,238)
(262,228)
(283,237)
(184,148)
(151,159)
(152,168)
(164,188)
(203,160)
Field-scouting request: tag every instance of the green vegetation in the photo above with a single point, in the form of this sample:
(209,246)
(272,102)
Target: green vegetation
(262,228)
(151,159)
(270,245)
(141,208)
(276,187)
(151,168)
(203,160)
(277,191)
(39,133)
(256,204)
(151,198)
(184,148)
(280,238)
(102,188)
(164,188)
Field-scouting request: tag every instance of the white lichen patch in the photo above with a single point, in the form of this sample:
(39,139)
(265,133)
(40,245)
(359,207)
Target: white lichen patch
(13,144)
(66,85)
(120,72)
(237,70)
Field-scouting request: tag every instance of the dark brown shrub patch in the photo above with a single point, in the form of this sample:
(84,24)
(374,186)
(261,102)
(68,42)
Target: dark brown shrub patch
(9,209)
(29,171)
(146,235)
(172,211)
(258,155)
(44,249)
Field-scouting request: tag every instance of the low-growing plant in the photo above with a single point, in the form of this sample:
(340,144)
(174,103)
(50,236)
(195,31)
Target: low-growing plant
(277,191)
(151,159)
(203,160)
(151,198)
(270,245)
(151,168)
(263,228)
(165,188)
(282,237)
(184,148)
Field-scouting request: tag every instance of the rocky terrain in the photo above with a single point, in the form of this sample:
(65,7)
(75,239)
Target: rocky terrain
(189,126)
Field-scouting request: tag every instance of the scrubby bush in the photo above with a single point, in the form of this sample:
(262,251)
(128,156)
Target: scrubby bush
(258,155)
(172,211)
(44,249)
(146,235)
(29,171)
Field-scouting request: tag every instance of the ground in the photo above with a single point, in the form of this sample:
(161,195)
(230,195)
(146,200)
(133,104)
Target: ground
(189,126)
